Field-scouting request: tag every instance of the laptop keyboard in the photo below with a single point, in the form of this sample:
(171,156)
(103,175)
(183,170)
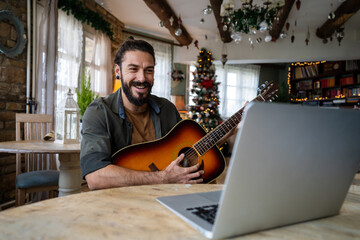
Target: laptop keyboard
(208,213)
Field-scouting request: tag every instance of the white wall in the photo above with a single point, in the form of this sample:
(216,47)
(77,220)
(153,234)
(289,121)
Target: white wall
(280,51)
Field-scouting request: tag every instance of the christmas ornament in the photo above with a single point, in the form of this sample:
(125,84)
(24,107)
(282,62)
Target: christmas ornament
(196,43)
(161,24)
(178,32)
(307,37)
(339,34)
(283,35)
(298,4)
(287,26)
(331,16)
(268,38)
(292,37)
(171,20)
(202,21)
(207,10)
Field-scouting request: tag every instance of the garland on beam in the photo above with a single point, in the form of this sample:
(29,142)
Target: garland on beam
(85,15)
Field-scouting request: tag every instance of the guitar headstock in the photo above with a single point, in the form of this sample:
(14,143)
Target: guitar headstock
(269,90)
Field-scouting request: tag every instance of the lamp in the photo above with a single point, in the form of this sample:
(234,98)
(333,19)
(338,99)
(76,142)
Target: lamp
(67,121)
(248,19)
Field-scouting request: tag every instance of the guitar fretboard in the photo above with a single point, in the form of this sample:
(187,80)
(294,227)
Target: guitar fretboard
(209,141)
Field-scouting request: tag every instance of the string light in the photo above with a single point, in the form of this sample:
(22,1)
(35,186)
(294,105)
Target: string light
(289,77)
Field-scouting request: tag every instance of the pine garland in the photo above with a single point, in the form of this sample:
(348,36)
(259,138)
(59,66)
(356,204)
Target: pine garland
(244,19)
(85,15)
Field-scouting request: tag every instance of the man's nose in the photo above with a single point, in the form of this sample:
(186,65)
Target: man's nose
(141,76)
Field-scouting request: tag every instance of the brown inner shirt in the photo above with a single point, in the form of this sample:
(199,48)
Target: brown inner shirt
(143,127)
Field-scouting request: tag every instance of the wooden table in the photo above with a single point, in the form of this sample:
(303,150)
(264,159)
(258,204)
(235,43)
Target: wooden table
(69,158)
(134,213)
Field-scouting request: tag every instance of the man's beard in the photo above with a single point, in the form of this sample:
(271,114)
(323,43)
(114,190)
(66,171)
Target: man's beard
(137,101)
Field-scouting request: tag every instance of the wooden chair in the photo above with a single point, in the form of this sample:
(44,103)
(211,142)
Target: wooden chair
(34,172)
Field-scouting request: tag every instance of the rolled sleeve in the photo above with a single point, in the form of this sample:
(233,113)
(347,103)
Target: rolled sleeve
(96,141)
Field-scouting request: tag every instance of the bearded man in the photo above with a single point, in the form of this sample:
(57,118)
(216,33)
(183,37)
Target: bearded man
(130,115)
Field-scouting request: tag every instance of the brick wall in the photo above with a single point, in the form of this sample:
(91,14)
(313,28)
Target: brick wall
(13,86)
(12,95)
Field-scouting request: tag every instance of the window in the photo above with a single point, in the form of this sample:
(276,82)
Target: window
(238,84)
(86,49)
(69,56)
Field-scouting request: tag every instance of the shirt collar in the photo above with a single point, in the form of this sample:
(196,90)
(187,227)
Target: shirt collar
(151,103)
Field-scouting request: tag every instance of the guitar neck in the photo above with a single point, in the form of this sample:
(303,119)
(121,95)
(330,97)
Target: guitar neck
(209,141)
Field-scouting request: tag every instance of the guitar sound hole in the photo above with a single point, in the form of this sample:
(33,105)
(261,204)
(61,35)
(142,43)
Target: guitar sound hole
(190,158)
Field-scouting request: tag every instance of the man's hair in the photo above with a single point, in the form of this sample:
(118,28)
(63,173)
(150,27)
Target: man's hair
(132,45)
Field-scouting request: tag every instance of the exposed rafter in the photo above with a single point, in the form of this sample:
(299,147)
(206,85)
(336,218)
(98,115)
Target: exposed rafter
(282,15)
(342,14)
(164,12)
(225,35)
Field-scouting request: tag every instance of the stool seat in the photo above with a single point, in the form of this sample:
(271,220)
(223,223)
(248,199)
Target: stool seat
(43,178)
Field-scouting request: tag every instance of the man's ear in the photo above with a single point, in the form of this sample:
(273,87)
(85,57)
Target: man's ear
(117,70)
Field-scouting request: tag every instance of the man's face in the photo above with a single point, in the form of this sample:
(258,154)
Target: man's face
(137,76)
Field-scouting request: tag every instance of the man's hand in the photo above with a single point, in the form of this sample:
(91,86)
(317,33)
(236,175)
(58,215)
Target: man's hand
(174,173)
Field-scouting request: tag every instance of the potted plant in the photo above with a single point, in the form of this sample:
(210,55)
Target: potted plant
(85,95)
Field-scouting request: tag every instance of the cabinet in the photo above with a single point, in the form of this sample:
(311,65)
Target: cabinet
(325,83)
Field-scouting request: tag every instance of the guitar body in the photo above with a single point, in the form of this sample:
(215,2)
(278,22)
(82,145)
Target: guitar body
(158,154)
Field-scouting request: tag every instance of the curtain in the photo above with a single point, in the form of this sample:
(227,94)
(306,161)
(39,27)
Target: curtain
(69,49)
(46,55)
(238,84)
(162,75)
(101,65)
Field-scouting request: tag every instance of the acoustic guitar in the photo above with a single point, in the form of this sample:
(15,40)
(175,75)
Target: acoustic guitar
(190,138)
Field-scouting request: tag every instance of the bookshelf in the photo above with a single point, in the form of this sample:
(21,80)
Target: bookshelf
(324,83)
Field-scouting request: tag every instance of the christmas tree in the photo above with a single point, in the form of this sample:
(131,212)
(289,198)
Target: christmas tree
(205,111)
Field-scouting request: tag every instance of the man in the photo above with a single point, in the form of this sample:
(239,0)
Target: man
(128,116)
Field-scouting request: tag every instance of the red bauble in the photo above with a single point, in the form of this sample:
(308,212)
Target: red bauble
(207,83)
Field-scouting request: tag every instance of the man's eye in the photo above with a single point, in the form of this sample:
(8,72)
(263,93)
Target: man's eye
(133,69)
(150,70)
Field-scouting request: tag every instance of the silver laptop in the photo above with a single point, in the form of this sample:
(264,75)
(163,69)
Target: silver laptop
(290,164)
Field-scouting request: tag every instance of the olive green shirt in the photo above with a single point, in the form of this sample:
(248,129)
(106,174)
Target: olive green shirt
(106,129)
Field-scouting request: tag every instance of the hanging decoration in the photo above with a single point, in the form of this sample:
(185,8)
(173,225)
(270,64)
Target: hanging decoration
(249,19)
(196,43)
(298,4)
(339,34)
(206,101)
(85,15)
(224,55)
(207,10)
(178,30)
(171,20)
(177,75)
(331,15)
(307,37)
(292,37)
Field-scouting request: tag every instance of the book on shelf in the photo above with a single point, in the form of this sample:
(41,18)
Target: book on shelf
(348,80)
(351,65)
(306,71)
(327,82)
(304,85)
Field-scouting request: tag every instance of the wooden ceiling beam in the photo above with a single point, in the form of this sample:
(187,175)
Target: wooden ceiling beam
(282,16)
(342,14)
(216,6)
(162,9)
